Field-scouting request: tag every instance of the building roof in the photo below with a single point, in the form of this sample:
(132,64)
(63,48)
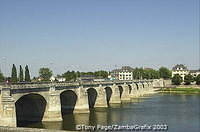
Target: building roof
(124,68)
(179,66)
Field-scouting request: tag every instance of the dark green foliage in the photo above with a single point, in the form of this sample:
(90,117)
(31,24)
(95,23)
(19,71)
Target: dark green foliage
(45,74)
(103,74)
(140,73)
(27,74)
(21,74)
(150,74)
(188,79)
(198,80)
(14,74)
(165,73)
(177,79)
(70,75)
(1,77)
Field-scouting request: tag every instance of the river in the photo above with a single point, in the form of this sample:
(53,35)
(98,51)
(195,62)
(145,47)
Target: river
(179,112)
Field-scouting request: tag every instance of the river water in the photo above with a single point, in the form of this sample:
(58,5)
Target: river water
(181,113)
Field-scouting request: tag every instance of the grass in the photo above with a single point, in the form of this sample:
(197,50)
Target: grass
(181,90)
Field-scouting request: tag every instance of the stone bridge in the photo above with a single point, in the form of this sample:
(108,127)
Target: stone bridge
(49,102)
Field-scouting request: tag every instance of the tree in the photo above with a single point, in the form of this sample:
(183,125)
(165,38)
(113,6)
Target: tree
(198,80)
(45,74)
(165,73)
(21,74)
(177,79)
(138,73)
(1,77)
(27,74)
(70,75)
(14,74)
(188,79)
(103,74)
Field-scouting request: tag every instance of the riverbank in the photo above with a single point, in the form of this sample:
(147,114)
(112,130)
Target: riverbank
(180,90)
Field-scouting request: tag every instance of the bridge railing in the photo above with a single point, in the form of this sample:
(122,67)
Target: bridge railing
(59,84)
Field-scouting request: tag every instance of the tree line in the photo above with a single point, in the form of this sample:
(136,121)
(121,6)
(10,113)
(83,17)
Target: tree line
(138,73)
(45,74)
(141,73)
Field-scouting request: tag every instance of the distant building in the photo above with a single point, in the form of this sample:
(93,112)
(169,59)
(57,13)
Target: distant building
(125,73)
(52,78)
(195,73)
(182,70)
(60,79)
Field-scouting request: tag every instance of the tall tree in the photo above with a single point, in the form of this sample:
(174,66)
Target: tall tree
(177,79)
(1,77)
(165,73)
(21,74)
(27,74)
(14,74)
(45,74)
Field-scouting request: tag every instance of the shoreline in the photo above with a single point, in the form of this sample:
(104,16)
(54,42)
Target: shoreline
(185,90)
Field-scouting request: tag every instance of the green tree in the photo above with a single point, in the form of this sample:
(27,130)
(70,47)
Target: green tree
(198,80)
(14,74)
(1,77)
(45,74)
(70,75)
(21,74)
(165,73)
(138,73)
(101,73)
(177,79)
(27,74)
(188,79)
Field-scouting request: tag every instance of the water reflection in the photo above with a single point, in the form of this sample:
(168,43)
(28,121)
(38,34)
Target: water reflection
(179,112)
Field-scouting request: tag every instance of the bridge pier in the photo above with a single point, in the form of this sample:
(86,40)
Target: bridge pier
(125,97)
(140,89)
(101,101)
(53,108)
(7,109)
(145,88)
(115,97)
(133,91)
(82,101)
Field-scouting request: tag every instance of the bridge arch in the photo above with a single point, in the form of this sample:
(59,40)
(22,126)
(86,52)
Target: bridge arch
(68,99)
(129,89)
(120,90)
(108,94)
(137,86)
(30,108)
(92,96)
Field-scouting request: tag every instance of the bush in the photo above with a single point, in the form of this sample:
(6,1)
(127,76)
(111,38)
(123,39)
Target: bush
(177,79)
(198,80)
(188,79)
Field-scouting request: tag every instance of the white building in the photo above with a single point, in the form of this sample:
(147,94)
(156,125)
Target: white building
(182,70)
(125,73)
(60,79)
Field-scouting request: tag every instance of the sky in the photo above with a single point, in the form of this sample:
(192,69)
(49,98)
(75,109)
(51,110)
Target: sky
(90,35)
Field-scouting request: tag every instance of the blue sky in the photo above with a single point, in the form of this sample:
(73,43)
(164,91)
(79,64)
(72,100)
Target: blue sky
(88,35)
